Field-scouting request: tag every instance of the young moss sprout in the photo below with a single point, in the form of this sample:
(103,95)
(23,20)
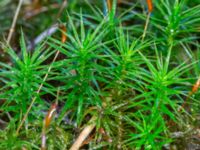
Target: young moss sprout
(63,39)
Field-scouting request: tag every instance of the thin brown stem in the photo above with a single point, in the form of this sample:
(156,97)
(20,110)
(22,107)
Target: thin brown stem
(146,26)
(14,21)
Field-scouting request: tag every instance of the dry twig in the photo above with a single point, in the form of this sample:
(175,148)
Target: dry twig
(14,21)
(83,135)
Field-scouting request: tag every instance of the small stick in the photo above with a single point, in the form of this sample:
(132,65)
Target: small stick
(83,135)
(41,85)
(14,21)
(146,26)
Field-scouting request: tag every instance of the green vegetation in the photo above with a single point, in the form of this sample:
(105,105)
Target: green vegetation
(127,77)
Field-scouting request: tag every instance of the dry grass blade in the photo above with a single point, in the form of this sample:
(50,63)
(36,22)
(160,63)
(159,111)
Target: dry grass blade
(146,26)
(150,9)
(83,135)
(14,21)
